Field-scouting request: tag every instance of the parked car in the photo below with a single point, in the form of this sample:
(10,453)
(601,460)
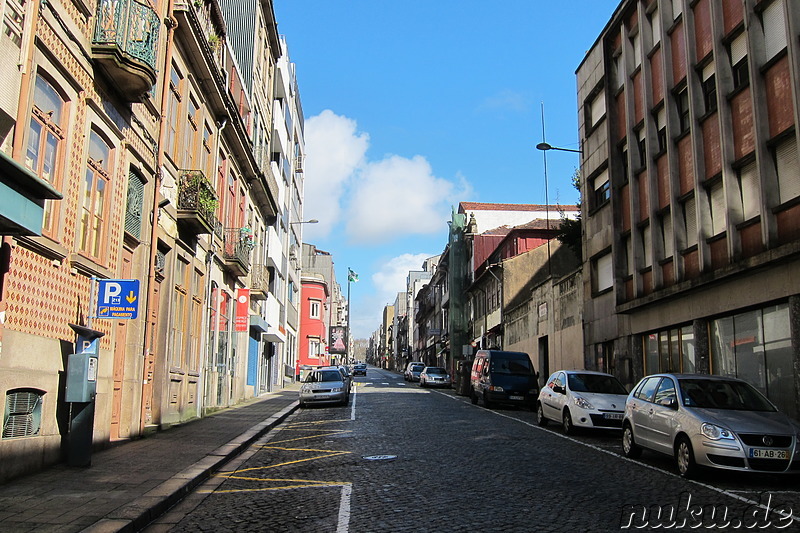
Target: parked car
(582,398)
(710,421)
(360,369)
(500,377)
(434,376)
(323,385)
(413,370)
(346,377)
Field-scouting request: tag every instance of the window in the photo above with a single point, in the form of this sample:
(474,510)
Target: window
(180,312)
(619,70)
(642,146)
(597,109)
(623,156)
(134,203)
(666,235)
(604,275)
(314,308)
(682,104)
(14,20)
(739,67)
(647,244)
(45,142)
(716,205)
(787,169)
(637,50)
(95,192)
(661,124)
(665,391)
(645,390)
(313,347)
(773,22)
(173,107)
(602,189)
(756,346)
(629,262)
(749,191)
(23,413)
(205,151)
(690,222)
(709,84)
(191,134)
(670,350)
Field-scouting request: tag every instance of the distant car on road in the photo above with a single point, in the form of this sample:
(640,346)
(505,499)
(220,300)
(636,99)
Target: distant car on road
(413,370)
(434,376)
(324,385)
(582,398)
(714,421)
(360,369)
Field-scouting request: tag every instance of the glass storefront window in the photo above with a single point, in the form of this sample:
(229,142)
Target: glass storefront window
(651,353)
(688,361)
(723,361)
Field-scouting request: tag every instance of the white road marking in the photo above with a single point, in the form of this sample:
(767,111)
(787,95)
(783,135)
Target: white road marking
(343,525)
(353,405)
(592,446)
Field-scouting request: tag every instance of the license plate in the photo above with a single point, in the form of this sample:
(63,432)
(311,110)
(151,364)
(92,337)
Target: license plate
(516,397)
(612,416)
(766,453)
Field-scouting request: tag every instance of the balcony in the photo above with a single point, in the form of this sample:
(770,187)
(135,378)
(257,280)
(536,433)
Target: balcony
(259,282)
(236,249)
(124,45)
(197,202)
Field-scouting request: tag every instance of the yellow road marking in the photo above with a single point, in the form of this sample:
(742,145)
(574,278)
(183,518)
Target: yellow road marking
(230,474)
(285,487)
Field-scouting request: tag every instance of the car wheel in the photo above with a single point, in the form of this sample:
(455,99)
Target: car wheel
(684,458)
(473,397)
(566,423)
(540,418)
(630,449)
(486,403)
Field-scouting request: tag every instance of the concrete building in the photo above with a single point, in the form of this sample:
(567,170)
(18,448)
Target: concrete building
(689,126)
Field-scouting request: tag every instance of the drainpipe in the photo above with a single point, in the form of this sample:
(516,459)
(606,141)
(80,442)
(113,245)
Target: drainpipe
(148,342)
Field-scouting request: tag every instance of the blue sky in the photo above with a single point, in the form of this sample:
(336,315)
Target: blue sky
(414,106)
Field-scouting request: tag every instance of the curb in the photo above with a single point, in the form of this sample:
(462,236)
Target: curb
(137,514)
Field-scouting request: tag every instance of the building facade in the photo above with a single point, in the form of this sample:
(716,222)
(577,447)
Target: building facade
(689,126)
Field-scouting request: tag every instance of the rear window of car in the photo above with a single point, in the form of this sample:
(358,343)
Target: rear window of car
(504,365)
(417,368)
(322,375)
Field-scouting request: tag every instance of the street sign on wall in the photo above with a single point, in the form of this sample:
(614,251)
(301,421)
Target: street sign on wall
(118,298)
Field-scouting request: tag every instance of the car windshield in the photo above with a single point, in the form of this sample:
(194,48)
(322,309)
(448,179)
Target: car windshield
(597,383)
(322,375)
(511,366)
(723,394)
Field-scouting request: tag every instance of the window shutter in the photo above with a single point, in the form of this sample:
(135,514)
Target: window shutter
(655,23)
(135,201)
(598,108)
(677,8)
(690,222)
(717,203)
(708,71)
(774,26)
(788,169)
(601,180)
(748,184)
(605,275)
(739,48)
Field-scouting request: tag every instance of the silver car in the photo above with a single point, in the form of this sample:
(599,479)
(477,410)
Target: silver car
(713,421)
(324,386)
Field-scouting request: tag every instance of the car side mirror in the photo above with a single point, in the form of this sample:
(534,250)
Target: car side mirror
(670,402)
(559,389)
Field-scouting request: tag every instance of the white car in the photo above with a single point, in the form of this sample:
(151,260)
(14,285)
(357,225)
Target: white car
(582,398)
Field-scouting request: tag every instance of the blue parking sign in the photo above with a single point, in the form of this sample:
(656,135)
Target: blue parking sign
(118,298)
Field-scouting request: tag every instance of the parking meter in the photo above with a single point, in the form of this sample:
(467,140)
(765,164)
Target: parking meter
(81,388)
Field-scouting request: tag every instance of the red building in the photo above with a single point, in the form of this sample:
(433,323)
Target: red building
(313,344)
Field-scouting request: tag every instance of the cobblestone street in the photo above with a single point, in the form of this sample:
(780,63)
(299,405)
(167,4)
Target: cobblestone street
(402,458)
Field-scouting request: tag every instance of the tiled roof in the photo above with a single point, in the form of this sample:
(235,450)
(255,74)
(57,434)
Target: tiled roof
(482,206)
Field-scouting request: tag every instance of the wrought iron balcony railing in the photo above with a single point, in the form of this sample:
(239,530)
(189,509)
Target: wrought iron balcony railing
(197,201)
(259,282)
(236,249)
(124,44)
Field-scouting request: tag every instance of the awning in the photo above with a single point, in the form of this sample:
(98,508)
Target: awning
(22,197)
(259,324)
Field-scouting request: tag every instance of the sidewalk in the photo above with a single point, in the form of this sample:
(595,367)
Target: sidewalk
(130,484)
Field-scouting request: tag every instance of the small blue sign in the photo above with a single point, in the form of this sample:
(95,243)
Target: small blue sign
(118,298)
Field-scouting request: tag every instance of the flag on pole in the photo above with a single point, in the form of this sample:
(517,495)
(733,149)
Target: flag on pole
(351,276)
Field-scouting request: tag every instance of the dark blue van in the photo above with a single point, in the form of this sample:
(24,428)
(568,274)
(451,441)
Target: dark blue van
(500,377)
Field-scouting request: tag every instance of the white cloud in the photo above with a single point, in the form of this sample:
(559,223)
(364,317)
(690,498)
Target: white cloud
(334,152)
(507,100)
(397,196)
(392,275)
